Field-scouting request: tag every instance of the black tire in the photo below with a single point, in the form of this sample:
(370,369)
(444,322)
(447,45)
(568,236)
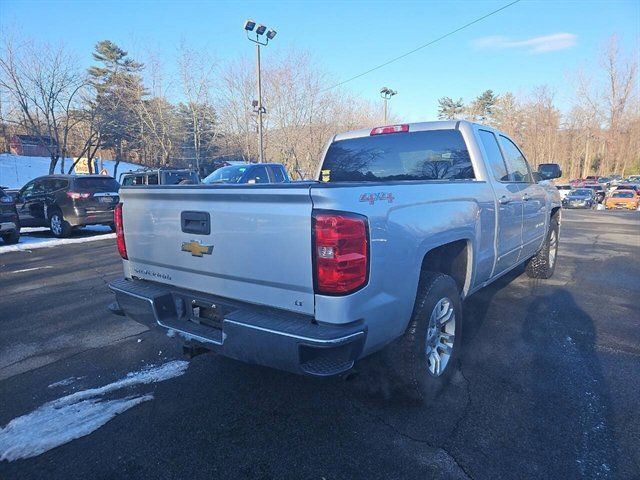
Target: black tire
(543,263)
(407,357)
(12,237)
(58,225)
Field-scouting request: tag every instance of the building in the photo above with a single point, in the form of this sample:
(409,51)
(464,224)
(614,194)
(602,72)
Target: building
(31,145)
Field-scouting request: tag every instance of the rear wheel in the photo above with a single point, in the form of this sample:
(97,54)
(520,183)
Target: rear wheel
(543,264)
(11,237)
(424,358)
(59,226)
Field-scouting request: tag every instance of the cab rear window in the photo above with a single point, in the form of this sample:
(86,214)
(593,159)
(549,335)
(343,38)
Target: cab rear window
(97,184)
(428,155)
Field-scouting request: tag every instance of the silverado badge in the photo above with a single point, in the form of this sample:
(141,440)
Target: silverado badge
(196,248)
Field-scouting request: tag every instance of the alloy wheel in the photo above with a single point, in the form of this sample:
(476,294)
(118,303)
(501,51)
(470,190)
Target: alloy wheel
(553,247)
(56,224)
(440,336)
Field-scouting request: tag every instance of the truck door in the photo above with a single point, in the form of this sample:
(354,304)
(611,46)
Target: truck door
(534,205)
(509,205)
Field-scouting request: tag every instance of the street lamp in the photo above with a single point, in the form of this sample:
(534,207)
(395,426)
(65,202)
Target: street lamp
(259,30)
(386,93)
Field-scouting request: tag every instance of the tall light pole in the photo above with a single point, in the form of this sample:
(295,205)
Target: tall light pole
(386,94)
(259,30)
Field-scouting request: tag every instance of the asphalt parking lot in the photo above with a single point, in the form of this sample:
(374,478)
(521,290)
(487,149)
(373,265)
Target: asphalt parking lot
(547,387)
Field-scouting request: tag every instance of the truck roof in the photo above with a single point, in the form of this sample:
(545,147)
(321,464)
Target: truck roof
(413,127)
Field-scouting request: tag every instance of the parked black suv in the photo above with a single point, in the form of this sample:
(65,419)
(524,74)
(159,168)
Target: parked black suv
(62,202)
(9,224)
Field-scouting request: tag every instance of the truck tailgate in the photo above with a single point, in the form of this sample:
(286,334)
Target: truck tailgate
(261,239)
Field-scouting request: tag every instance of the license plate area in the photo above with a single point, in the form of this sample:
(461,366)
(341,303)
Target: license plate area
(206,313)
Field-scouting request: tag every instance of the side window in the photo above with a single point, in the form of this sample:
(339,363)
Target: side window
(54,184)
(48,185)
(495,162)
(152,179)
(28,188)
(516,163)
(61,184)
(39,187)
(258,175)
(127,181)
(278,175)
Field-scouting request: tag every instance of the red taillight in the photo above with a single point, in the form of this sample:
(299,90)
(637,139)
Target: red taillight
(390,129)
(77,195)
(117,220)
(341,252)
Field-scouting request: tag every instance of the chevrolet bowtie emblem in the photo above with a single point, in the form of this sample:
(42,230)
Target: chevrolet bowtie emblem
(196,248)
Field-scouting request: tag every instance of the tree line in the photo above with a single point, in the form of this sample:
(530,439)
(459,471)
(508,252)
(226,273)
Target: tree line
(125,109)
(598,135)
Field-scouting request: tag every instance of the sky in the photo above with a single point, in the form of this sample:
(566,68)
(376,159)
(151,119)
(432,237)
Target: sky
(531,43)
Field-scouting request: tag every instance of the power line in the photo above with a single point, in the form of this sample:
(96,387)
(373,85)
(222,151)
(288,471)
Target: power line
(422,46)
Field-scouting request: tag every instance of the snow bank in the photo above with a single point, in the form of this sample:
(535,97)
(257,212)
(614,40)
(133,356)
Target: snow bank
(32,238)
(81,413)
(16,170)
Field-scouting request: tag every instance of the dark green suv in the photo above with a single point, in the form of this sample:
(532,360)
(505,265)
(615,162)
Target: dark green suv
(64,202)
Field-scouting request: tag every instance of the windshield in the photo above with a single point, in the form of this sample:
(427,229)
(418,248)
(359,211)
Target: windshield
(429,155)
(97,184)
(230,174)
(581,192)
(627,194)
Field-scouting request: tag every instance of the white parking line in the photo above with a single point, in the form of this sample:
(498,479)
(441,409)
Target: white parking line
(31,269)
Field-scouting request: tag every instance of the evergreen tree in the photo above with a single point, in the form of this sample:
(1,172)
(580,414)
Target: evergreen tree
(449,109)
(482,108)
(119,90)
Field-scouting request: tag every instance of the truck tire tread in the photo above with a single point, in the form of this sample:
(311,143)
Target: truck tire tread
(407,357)
(540,265)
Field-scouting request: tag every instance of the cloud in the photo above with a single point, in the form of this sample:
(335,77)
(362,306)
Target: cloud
(542,44)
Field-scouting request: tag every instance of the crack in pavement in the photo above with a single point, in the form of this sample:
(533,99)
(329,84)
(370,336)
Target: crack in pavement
(407,436)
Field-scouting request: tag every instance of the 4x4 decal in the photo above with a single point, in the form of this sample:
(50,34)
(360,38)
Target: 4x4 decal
(372,198)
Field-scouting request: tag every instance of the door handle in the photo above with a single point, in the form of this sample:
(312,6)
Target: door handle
(504,200)
(526,197)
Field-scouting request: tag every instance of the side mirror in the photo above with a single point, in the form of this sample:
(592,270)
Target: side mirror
(547,171)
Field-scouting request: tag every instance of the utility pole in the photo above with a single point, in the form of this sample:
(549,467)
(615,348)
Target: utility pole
(260,30)
(260,109)
(386,94)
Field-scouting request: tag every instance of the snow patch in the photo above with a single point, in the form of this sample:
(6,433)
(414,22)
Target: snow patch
(78,414)
(32,243)
(16,170)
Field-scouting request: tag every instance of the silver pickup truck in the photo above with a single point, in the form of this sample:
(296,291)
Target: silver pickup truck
(402,224)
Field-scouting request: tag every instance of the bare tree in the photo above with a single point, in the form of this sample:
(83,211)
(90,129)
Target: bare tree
(197,76)
(43,83)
